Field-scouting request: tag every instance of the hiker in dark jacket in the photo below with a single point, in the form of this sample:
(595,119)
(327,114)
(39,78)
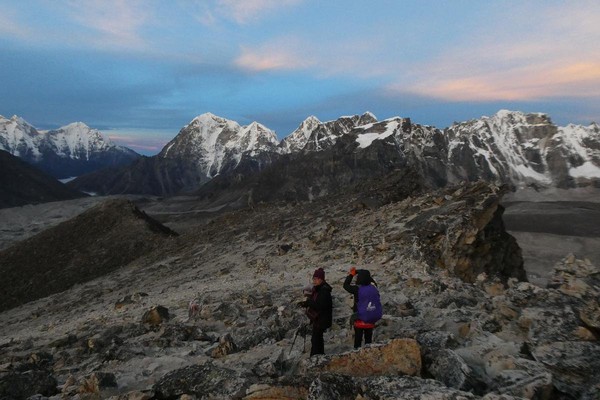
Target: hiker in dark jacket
(319,309)
(361,328)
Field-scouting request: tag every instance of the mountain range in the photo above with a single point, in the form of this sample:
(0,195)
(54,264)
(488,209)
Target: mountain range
(69,151)
(220,159)
(213,155)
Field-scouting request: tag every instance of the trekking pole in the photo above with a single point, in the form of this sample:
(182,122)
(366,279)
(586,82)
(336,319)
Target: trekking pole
(304,344)
(295,336)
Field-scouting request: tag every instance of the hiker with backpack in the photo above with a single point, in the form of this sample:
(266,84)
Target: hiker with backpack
(319,309)
(367,305)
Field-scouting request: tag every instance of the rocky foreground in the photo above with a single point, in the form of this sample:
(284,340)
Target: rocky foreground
(461,321)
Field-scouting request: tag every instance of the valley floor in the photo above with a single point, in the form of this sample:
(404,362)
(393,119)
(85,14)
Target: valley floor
(551,224)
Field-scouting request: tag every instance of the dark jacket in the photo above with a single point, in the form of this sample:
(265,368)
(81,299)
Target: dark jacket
(320,306)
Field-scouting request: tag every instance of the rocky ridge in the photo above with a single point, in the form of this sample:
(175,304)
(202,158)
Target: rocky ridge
(458,324)
(92,244)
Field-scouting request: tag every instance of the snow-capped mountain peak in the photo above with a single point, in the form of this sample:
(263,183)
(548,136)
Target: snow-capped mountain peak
(77,140)
(369,115)
(296,140)
(17,119)
(64,152)
(212,143)
(209,119)
(314,135)
(256,138)
(19,138)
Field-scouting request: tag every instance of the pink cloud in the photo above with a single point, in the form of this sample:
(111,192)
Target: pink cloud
(574,79)
(548,56)
(283,54)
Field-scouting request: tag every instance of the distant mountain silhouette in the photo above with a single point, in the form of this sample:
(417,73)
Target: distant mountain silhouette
(21,183)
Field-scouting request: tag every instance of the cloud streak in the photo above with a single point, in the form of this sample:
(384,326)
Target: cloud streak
(9,25)
(240,11)
(117,23)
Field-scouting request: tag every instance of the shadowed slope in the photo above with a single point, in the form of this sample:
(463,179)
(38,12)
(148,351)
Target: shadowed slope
(21,183)
(90,245)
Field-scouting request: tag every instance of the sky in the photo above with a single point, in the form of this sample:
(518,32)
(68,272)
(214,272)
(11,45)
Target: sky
(140,70)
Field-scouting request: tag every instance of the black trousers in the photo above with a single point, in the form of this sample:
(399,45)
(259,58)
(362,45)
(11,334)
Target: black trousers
(317,342)
(358,336)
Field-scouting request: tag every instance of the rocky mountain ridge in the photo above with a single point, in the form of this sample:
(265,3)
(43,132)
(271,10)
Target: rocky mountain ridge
(527,149)
(69,151)
(510,147)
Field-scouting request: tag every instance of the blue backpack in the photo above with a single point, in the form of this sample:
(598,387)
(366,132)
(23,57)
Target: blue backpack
(369,304)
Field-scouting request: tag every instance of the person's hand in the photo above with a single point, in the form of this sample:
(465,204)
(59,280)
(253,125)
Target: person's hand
(352,271)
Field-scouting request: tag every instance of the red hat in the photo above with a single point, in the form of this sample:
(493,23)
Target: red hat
(319,273)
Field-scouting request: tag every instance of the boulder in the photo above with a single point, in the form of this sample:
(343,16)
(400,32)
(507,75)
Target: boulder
(517,376)
(271,366)
(590,315)
(268,392)
(523,384)
(500,367)
(574,365)
(99,383)
(450,369)
(332,386)
(435,340)
(203,381)
(176,332)
(20,385)
(156,316)
(467,236)
(398,356)
(545,324)
(225,346)
(409,388)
